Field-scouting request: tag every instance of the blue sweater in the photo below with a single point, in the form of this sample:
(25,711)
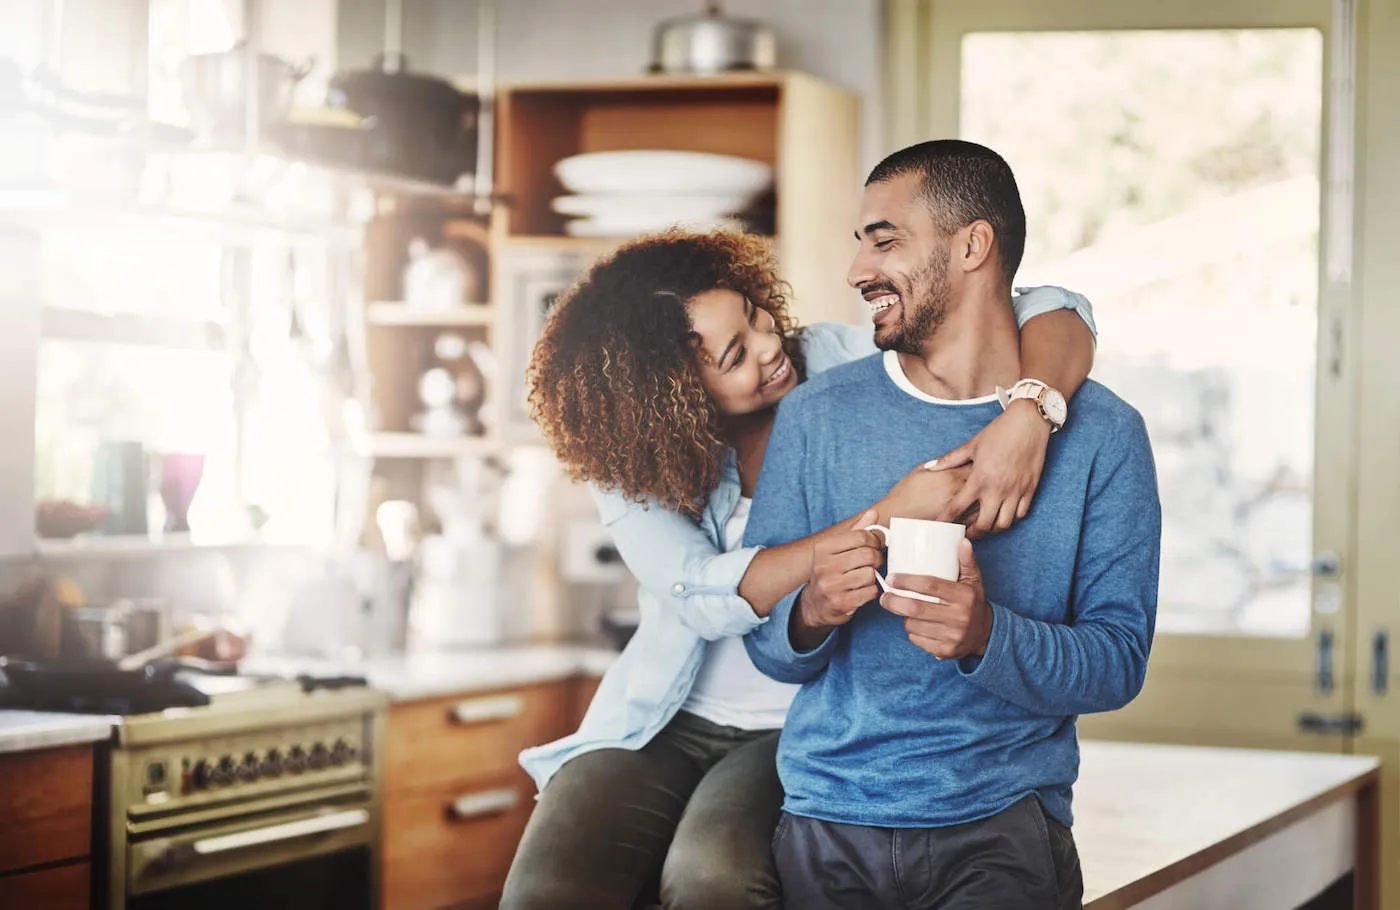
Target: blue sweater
(884,734)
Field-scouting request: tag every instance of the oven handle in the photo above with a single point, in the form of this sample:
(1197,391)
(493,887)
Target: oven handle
(320,824)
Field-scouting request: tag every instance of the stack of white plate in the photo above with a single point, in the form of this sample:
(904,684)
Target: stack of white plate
(618,194)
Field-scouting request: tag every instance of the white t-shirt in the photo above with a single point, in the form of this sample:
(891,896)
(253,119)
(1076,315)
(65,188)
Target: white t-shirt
(729,690)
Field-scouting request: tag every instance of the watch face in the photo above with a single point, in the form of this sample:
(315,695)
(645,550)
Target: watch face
(1055,408)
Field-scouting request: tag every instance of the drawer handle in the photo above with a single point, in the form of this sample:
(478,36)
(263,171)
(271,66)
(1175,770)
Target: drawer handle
(478,805)
(483,710)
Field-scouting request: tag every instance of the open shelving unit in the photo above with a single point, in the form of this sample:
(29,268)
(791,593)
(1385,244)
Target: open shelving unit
(397,313)
(807,129)
(419,445)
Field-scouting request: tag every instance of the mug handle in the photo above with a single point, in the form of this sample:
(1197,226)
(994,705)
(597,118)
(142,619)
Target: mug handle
(891,589)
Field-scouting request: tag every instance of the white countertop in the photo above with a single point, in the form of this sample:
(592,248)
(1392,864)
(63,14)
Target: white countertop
(408,677)
(25,731)
(1150,816)
(404,677)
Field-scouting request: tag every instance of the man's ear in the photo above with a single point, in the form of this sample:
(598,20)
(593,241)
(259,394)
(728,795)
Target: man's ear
(977,246)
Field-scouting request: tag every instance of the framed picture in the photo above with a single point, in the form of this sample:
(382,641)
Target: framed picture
(529,282)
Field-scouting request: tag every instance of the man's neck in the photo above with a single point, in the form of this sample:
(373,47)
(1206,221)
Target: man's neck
(975,349)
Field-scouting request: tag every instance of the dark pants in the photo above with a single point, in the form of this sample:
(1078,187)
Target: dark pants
(1019,859)
(694,809)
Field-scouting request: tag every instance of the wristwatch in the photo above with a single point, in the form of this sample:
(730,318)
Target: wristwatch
(1050,402)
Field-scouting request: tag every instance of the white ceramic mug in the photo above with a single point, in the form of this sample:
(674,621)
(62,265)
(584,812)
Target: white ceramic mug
(919,547)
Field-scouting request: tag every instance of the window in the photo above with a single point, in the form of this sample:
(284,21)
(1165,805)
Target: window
(1188,210)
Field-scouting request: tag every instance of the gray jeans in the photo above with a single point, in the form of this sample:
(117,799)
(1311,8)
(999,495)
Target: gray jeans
(693,811)
(1018,859)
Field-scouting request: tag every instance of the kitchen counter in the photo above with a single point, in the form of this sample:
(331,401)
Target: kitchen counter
(26,731)
(409,677)
(1166,827)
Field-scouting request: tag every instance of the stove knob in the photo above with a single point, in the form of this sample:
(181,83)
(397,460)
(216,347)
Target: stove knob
(271,764)
(199,775)
(341,752)
(223,772)
(249,770)
(296,760)
(320,757)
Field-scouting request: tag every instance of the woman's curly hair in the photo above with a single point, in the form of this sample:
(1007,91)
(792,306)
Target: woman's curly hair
(613,381)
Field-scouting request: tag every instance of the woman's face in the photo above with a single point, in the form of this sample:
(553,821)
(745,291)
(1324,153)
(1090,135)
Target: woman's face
(740,355)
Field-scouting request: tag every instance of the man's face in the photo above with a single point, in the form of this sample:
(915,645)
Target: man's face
(901,268)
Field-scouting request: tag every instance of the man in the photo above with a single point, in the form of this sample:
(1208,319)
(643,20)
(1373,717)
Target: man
(929,757)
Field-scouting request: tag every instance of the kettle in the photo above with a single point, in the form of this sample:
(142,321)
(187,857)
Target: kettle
(710,43)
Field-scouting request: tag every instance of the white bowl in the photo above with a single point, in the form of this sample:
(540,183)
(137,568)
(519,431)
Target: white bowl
(587,227)
(664,173)
(633,209)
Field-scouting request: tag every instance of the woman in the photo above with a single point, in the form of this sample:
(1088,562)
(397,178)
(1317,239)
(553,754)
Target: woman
(655,381)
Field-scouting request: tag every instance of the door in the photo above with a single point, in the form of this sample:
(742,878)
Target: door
(1176,162)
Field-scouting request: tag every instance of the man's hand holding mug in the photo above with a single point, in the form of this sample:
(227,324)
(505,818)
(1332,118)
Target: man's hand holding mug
(961,625)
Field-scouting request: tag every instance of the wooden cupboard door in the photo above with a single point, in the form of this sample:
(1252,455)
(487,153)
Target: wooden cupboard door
(584,688)
(46,804)
(452,846)
(449,740)
(56,888)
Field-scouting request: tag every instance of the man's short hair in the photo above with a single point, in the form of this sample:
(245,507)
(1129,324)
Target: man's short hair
(963,182)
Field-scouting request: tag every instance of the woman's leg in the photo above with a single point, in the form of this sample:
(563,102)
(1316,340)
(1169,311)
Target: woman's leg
(722,857)
(599,833)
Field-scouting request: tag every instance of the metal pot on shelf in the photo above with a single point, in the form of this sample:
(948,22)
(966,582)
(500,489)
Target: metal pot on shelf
(414,124)
(214,88)
(712,43)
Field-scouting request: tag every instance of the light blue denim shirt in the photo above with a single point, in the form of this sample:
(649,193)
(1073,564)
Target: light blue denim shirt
(689,583)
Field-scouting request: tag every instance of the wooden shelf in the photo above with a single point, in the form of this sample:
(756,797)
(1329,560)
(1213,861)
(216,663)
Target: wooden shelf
(565,242)
(67,324)
(808,130)
(416,445)
(34,211)
(134,546)
(393,313)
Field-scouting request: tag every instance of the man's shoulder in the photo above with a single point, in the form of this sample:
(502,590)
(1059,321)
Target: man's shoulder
(1102,415)
(834,384)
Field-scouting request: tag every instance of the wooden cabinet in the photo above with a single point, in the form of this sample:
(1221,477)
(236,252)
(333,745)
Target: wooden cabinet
(807,129)
(65,887)
(455,799)
(46,834)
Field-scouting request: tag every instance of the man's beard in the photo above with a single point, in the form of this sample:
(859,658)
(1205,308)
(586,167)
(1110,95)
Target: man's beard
(923,306)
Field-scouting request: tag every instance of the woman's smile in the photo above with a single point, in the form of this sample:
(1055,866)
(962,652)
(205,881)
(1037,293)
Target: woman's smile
(778,377)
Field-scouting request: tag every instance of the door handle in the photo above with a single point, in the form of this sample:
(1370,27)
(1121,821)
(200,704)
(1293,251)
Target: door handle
(1325,678)
(1380,662)
(1326,564)
(1331,724)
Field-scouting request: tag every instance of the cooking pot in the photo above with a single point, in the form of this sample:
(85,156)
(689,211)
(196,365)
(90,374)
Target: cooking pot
(431,107)
(415,124)
(115,631)
(711,43)
(213,87)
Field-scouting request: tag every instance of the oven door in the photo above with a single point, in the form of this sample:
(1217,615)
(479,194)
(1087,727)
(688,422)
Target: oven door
(308,859)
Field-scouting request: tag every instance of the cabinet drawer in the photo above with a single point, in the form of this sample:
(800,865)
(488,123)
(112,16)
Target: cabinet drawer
(46,804)
(451,740)
(453,845)
(56,888)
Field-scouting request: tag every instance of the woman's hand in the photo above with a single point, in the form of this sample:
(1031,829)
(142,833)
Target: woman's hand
(1006,458)
(923,493)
